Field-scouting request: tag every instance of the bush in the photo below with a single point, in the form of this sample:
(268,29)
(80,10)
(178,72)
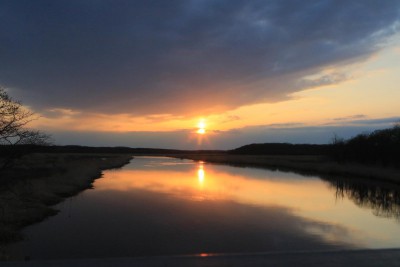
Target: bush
(379,147)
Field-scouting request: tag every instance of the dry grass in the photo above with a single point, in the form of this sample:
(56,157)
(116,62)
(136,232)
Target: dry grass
(41,180)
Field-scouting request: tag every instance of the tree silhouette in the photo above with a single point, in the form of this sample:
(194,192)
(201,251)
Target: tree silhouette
(379,147)
(14,118)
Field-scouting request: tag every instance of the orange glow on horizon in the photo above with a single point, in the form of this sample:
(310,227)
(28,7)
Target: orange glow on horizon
(201,131)
(201,127)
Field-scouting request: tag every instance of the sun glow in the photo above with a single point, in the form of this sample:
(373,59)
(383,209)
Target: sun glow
(201,131)
(201,127)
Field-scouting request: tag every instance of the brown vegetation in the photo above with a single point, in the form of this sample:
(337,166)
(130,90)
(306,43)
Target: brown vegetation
(38,181)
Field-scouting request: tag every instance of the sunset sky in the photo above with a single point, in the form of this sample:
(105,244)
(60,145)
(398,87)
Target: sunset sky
(194,74)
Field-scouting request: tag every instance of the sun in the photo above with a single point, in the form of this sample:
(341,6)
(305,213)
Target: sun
(201,127)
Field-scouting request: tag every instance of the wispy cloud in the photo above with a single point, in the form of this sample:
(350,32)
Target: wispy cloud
(384,121)
(362,120)
(352,117)
(327,79)
(284,125)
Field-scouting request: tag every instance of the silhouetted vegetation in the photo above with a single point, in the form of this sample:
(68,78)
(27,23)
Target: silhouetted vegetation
(13,132)
(379,147)
(30,188)
(281,149)
(111,150)
(382,199)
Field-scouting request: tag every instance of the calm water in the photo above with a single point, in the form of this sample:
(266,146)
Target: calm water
(164,206)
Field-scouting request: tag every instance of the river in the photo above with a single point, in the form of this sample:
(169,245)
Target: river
(157,206)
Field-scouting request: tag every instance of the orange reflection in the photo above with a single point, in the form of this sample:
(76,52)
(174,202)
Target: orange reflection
(201,173)
(219,185)
(309,198)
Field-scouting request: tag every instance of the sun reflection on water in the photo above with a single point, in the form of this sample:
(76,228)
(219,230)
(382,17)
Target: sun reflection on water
(305,197)
(201,173)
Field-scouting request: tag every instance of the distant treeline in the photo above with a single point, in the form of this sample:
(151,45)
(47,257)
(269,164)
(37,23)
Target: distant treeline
(24,149)
(379,147)
(281,149)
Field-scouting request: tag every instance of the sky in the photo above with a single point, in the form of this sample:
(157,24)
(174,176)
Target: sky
(202,74)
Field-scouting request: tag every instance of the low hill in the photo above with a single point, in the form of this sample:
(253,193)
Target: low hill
(281,149)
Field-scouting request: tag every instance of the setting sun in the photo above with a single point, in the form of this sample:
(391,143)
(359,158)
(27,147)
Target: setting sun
(201,127)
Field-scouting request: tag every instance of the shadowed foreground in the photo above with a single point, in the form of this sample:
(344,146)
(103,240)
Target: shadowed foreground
(39,181)
(363,258)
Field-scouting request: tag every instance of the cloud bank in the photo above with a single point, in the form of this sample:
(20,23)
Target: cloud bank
(181,56)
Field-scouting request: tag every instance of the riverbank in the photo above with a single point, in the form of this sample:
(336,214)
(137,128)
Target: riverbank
(312,165)
(39,181)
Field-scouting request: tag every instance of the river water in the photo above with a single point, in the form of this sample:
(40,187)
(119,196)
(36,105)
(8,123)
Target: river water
(164,206)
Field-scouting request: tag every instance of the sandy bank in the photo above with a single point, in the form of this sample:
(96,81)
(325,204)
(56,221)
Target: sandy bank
(39,181)
(302,164)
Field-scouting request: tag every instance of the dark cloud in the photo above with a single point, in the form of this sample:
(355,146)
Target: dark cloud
(167,57)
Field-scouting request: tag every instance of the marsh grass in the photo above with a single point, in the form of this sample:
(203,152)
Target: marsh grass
(39,181)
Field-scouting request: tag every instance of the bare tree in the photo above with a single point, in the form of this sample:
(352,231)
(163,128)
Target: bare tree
(14,118)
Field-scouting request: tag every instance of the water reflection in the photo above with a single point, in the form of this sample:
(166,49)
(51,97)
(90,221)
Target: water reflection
(159,206)
(305,197)
(383,199)
(201,173)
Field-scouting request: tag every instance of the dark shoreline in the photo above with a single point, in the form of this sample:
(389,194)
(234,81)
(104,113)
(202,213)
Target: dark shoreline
(43,180)
(303,164)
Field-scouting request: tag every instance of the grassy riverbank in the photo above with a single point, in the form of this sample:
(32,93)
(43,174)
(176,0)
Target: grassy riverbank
(302,163)
(39,181)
